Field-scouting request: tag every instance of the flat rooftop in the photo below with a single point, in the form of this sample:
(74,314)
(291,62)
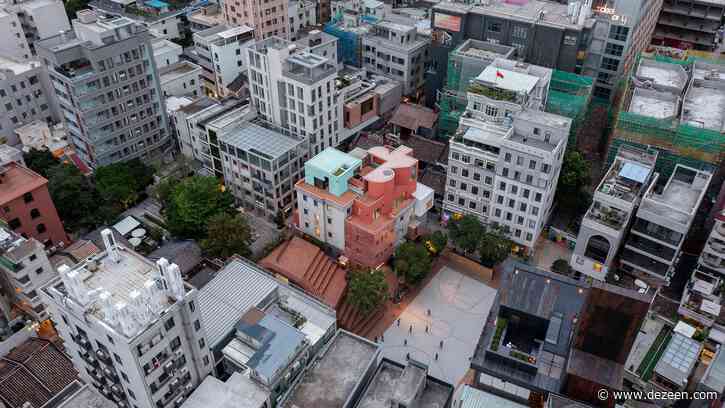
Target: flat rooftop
(681,196)
(87,397)
(658,105)
(556,14)
(331,160)
(628,174)
(336,374)
(662,74)
(394,383)
(254,138)
(238,391)
(162,46)
(18,180)
(222,32)
(17,67)
(509,80)
(483,50)
(474,398)
(704,107)
(177,70)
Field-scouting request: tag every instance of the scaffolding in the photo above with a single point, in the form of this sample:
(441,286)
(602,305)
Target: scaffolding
(570,96)
(349,44)
(676,142)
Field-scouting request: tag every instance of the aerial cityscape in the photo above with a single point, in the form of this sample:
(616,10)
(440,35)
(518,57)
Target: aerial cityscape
(362,203)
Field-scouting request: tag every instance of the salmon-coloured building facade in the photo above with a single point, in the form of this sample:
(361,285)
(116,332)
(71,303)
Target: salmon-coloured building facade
(384,201)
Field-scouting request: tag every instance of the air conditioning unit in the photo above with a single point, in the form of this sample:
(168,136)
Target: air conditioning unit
(180,401)
(168,366)
(184,371)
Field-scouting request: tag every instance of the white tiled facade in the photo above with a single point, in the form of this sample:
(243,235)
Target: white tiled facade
(504,162)
(155,364)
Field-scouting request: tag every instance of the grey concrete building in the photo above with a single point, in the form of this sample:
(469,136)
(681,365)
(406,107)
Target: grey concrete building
(622,29)
(686,24)
(399,52)
(108,89)
(544,33)
(26,95)
(219,51)
(261,166)
(662,222)
(23,22)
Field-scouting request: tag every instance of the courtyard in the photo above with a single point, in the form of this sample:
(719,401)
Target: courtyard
(459,306)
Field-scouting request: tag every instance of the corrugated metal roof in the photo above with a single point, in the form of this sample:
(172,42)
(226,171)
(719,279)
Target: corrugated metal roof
(223,301)
(475,398)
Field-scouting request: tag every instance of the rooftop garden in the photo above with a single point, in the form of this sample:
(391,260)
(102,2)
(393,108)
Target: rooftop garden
(500,328)
(493,93)
(647,366)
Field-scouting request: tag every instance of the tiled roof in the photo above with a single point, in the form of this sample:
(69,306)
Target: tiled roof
(427,150)
(34,372)
(414,116)
(307,266)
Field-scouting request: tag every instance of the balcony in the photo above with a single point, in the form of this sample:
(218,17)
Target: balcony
(645,263)
(156,362)
(76,70)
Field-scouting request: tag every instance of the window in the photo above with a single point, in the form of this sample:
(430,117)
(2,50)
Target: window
(14,223)
(110,339)
(491,110)
(461,201)
(474,190)
(537,197)
(507,156)
(33,257)
(169,324)
(454,170)
(28,197)
(39,271)
(569,40)
(494,27)
(477,176)
(464,173)
(206,360)
(202,343)
(125,378)
(191,306)
(34,213)
(618,33)
(130,393)
(614,49)
(534,210)
(532,164)
(472,205)
(41,228)
(197,325)
(514,189)
(117,358)
(502,186)
(452,183)
(610,64)
(451,198)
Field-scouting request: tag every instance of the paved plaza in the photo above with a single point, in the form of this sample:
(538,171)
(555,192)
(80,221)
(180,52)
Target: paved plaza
(459,306)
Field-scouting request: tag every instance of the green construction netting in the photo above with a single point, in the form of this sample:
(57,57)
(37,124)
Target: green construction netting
(569,95)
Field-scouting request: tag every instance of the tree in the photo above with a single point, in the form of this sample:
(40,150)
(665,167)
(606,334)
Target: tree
(226,235)
(40,161)
(573,180)
(436,242)
(77,201)
(73,6)
(367,289)
(494,247)
(193,202)
(466,232)
(412,262)
(560,266)
(121,184)
(280,219)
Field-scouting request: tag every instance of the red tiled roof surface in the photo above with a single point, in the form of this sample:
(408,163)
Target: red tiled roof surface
(16,180)
(34,372)
(412,117)
(308,267)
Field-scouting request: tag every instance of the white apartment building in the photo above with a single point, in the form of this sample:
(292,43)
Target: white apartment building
(26,95)
(131,327)
(296,91)
(23,22)
(505,159)
(24,269)
(399,52)
(604,227)
(165,52)
(164,23)
(300,14)
(220,52)
(183,78)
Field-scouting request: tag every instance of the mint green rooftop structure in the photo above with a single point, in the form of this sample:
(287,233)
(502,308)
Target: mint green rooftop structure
(330,170)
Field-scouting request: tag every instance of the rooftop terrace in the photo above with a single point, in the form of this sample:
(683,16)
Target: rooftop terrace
(680,197)
(655,104)
(664,76)
(554,13)
(265,142)
(483,50)
(335,375)
(393,384)
(628,175)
